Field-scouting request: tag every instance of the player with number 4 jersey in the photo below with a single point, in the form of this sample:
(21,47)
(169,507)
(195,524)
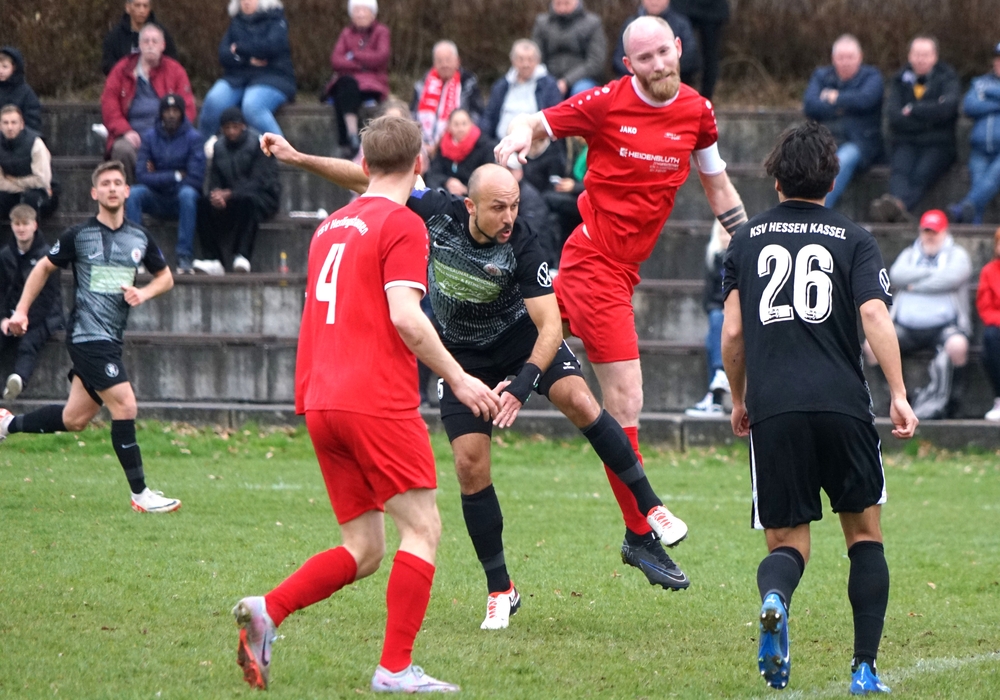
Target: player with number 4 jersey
(797,278)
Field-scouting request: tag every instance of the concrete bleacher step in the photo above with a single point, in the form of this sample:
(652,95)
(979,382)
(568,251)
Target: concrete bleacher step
(256,368)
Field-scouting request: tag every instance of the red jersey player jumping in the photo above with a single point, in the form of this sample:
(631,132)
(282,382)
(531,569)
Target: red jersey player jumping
(356,383)
(642,132)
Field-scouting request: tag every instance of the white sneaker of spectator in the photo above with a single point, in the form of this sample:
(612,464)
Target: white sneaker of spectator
(209,267)
(241,264)
(705,408)
(719,381)
(994,413)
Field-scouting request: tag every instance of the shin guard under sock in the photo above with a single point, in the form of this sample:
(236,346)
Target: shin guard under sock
(779,572)
(484,521)
(868,591)
(127,449)
(47,419)
(406,599)
(613,447)
(317,579)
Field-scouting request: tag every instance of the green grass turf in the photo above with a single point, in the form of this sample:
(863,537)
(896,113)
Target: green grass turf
(99,602)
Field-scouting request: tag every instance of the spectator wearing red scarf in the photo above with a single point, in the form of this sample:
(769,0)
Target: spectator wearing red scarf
(988,306)
(445,88)
(463,149)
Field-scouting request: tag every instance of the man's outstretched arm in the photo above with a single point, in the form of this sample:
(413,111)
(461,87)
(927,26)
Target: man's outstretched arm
(344,173)
(524,130)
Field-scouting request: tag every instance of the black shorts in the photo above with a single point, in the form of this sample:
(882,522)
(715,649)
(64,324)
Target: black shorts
(492,366)
(794,455)
(914,339)
(98,364)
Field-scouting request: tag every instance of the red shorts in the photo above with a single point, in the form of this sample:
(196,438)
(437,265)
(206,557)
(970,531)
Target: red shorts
(595,297)
(367,460)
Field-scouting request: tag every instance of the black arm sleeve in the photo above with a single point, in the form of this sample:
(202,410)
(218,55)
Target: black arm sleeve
(532,268)
(64,251)
(153,260)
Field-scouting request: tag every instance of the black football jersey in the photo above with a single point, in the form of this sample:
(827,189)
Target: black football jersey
(802,271)
(477,290)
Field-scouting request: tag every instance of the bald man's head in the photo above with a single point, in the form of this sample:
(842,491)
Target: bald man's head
(653,54)
(494,197)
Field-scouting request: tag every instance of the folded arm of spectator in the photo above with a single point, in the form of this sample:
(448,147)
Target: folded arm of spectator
(374,56)
(812,105)
(941,110)
(227,57)
(145,176)
(271,44)
(947,277)
(980,101)
(863,98)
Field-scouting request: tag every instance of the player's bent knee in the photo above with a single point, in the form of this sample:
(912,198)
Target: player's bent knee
(74,423)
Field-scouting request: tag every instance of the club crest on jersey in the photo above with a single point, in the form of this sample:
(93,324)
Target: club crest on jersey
(883,279)
(54,250)
(111,369)
(492,269)
(543,276)
(136,256)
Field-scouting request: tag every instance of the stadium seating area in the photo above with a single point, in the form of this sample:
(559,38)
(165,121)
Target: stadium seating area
(222,349)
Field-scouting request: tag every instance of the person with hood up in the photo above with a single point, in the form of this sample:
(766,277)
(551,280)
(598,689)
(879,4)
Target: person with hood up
(123,39)
(14,90)
(257,67)
(169,171)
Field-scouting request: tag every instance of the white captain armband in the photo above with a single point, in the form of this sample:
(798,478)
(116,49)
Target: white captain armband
(708,161)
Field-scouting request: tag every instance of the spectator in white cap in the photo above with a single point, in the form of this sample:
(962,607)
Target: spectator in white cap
(360,61)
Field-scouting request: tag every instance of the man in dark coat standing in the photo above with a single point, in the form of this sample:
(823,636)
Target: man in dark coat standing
(123,39)
(243,191)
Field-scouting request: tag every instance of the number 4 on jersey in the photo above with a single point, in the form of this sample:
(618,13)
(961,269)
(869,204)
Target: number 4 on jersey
(812,289)
(326,285)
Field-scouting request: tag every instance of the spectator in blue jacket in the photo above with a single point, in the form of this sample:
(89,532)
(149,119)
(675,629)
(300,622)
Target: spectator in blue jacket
(525,89)
(982,103)
(257,67)
(847,98)
(681,26)
(169,171)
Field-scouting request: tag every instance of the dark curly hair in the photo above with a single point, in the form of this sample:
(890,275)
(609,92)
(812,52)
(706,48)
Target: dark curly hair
(804,161)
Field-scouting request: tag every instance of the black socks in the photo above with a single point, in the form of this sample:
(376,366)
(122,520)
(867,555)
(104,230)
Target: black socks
(779,572)
(123,440)
(868,591)
(613,447)
(47,419)
(484,522)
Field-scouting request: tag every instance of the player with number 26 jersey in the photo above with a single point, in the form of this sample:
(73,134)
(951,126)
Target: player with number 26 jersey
(802,271)
(347,343)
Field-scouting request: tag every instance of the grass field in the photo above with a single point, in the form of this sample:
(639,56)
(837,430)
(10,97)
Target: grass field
(99,602)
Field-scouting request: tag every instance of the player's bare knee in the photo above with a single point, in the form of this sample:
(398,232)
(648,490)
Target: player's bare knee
(624,405)
(473,472)
(75,422)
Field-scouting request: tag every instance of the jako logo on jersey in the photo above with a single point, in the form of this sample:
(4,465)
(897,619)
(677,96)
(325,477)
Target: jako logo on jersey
(354,221)
(55,249)
(629,130)
(492,269)
(543,276)
(883,279)
(111,369)
(136,256)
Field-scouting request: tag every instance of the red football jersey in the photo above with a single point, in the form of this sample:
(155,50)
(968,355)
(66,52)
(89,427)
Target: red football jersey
(639,154)
(350,356)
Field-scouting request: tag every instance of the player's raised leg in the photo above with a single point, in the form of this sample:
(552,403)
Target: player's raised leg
(484,521)
(868,591)
(416,517)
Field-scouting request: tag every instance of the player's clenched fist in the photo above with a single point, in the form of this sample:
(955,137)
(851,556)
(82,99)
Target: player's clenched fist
(278,147)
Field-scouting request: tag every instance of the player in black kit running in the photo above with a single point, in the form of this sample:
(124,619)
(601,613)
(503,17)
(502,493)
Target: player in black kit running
(795,280)
(496,313)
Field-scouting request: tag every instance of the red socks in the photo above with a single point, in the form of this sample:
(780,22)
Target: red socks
(406,599)
(634,520)
(317,579)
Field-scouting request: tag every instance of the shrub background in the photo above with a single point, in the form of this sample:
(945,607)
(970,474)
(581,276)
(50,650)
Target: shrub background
(770,46)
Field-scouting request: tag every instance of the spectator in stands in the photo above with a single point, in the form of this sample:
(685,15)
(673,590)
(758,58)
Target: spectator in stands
(17,260)
(360,61)
(14,90)
(718,383)
(930,310)
(525,89)
(982,103)
(464,147)
(130,103)
(169,170)
(446,87)
(708,17)
(574,47)
(257,67)
(25,166)
(988,305)
(690,58)
(922,110)
(123,40)
(546,164)
(846,97)
(243,191)
(566,190)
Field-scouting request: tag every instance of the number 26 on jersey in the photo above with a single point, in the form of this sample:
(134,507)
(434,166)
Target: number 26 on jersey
(812,289)
(326,285)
